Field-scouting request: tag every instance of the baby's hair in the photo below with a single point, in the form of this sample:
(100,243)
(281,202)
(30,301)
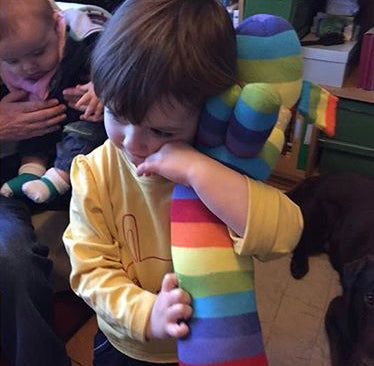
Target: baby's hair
(153,49)
(13,12)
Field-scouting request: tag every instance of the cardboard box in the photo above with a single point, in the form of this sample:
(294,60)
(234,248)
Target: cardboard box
(328,65)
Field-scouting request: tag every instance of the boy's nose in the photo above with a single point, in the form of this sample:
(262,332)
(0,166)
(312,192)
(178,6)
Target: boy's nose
(134,140)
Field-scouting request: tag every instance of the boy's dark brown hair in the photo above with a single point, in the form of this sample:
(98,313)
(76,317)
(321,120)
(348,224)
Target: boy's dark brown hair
(152,49)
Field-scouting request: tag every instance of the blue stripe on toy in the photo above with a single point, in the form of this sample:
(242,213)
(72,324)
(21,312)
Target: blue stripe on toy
(218,108)
(216,306)
(256,168)
(182,192)
(219,350)
(252,119)
(258,48)
(227,326)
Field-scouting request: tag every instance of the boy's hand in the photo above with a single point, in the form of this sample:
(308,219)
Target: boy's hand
(83,98)
(176,161)
(171,307)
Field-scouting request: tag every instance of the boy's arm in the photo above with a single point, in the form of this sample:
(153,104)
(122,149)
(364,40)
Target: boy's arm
(223,190)
(263,221)
(97,270)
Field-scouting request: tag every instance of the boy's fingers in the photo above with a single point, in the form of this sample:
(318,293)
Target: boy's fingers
(179,311)
(169,282)
(179,296)
(177,330)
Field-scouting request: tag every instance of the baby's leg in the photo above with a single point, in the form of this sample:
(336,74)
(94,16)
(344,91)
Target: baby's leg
(78,138)
(31,169)
(53,183)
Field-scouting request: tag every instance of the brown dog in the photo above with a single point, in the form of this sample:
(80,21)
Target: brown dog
(338,211)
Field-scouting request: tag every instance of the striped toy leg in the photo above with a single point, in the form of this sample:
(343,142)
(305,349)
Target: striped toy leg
(224,328)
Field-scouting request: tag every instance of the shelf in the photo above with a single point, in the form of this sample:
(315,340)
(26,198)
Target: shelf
(349,89)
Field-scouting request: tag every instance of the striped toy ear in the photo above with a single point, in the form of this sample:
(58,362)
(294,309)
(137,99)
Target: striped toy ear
(215,117)
(252,120)
(319,106)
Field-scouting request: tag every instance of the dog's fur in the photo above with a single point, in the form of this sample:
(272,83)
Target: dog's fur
(338,212)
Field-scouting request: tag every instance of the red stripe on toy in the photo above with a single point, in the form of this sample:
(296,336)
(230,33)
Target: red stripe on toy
(191,210)
(200,234)
(258,360)
(331,115)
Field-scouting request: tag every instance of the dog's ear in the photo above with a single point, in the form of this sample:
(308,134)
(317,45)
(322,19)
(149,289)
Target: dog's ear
(335,324)
(353,281)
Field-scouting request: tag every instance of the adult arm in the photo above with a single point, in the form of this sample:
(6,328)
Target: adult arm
(21,120)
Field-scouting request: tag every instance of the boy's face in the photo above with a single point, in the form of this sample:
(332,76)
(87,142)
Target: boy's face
(165,122)
(31,52)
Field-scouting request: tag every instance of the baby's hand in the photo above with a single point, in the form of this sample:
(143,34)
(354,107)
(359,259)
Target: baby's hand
(83,98)
(176,161)
(171,307)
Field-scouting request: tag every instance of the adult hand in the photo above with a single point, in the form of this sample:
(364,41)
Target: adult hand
(20,120)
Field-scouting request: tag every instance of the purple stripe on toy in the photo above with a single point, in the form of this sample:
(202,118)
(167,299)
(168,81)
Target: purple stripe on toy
(238,137)
(228,326)
(182,192)
(217,350)
(211,131)
(263,25)
(243,150)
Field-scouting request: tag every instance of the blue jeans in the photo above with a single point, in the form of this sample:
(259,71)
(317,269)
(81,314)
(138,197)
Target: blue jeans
(26,304)
(106,355)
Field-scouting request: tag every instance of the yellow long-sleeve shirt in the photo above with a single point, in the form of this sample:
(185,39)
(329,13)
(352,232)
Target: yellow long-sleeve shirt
(118,241)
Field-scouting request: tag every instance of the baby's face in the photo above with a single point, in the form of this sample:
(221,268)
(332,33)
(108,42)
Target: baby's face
(163,123)
(31,52)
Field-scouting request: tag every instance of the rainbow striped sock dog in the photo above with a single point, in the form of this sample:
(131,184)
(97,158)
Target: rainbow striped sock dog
(237,129)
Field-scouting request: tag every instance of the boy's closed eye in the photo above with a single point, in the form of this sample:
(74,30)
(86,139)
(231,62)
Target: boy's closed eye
(161,133)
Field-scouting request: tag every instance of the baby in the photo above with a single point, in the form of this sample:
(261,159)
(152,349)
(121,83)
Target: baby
(46,53)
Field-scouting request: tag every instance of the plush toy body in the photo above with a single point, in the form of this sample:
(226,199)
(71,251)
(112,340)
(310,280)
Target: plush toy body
(237,129)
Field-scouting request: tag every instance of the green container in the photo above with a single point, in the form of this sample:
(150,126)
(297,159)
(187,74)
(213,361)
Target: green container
(298,12)
(342,156)
(355,122)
